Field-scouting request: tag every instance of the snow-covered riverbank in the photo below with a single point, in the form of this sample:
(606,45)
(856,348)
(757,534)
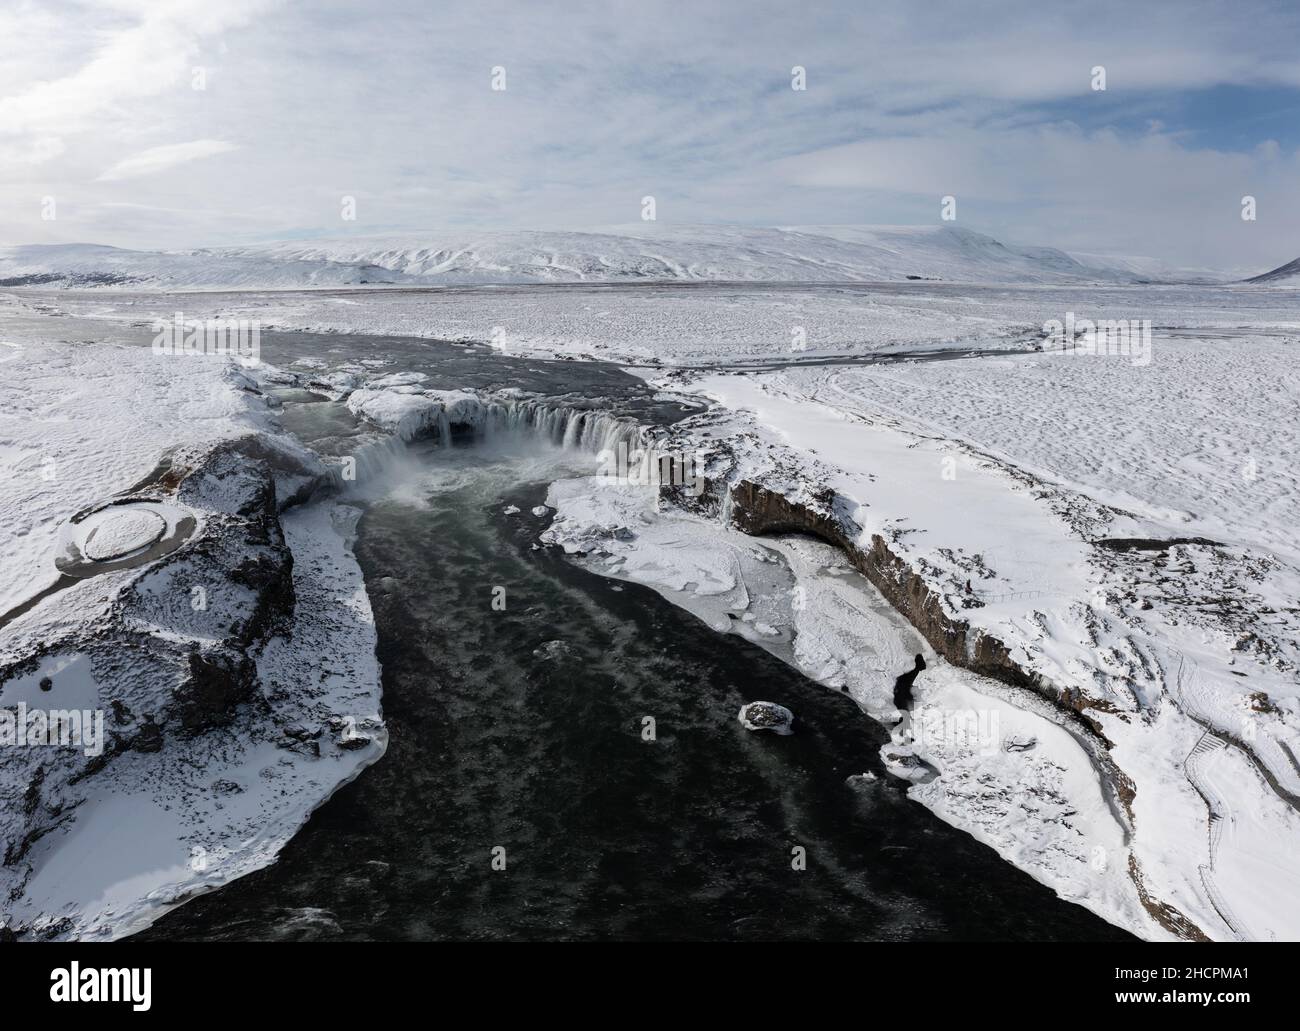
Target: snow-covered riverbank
(1132,553)
(1041,806)
(236,676)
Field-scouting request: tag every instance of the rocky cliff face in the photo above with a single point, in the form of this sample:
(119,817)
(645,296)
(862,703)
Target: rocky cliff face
(247,558)
(757,510)
(172,654)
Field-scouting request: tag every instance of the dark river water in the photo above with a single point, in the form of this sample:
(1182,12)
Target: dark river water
(521,730)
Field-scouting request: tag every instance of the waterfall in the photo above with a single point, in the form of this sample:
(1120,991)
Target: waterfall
(370,460)
(628,451)
(725,513)
(577,429)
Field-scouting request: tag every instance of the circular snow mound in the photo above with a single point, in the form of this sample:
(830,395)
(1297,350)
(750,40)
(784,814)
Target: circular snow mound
(114,532)
(767,716)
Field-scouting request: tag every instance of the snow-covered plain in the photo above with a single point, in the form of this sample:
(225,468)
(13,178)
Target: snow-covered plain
(700,325)
(1126,531)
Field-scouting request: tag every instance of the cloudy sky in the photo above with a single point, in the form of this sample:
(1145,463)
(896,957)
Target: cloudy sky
(304,103)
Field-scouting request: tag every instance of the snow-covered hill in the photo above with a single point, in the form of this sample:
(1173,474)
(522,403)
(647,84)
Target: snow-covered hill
(79,265)
(644,252)
(1153,270)
(1283,275)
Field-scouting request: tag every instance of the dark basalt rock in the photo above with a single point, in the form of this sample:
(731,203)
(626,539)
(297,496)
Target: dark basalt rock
(218,682)
(158,635)
(149,738)
(1152,543)
(767,716)
(757,510)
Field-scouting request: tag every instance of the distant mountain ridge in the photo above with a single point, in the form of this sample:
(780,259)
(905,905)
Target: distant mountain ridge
(1291,270)
(646,252)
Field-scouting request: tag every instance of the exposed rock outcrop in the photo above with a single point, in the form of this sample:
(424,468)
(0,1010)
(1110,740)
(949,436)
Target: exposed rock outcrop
(757,510)
(175,651)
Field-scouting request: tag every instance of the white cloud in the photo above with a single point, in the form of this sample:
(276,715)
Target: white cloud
(607,103)
(140,50)
(29,153)
(159,159)
(1094,191)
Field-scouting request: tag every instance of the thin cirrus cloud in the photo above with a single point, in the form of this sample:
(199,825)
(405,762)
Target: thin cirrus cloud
(160,159)
(607,103)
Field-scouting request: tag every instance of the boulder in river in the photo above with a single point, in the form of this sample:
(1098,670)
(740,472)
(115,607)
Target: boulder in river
(767,716)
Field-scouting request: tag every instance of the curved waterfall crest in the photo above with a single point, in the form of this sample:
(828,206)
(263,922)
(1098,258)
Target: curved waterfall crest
(622,443)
